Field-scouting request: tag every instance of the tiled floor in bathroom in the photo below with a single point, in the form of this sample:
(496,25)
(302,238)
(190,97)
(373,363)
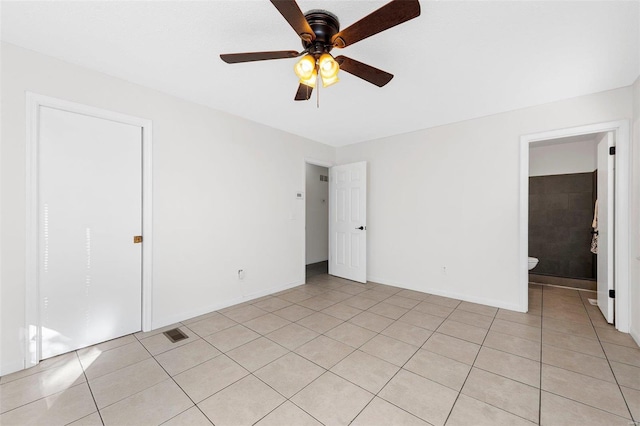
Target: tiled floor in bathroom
(334,352)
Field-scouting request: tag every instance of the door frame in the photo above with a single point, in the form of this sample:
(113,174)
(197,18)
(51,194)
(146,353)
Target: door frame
(34,101)
(314,162)
(622,189)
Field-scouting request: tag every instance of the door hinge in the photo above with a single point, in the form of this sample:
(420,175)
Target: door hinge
(612,150)
(612,294)
(137,239)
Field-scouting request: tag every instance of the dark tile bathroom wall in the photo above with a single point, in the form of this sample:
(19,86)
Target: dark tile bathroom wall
(560,216)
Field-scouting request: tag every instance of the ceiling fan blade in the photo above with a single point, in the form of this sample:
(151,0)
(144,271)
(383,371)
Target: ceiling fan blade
(234,58)
(291,12)
(389,15)
(303,93)
(366,72)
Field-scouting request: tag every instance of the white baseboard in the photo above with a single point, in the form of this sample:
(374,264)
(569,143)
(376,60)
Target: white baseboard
(173,319)
(460,296)
(11,367)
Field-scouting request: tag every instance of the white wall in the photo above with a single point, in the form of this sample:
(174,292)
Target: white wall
(563,158)
(448,197)
(317,214)
(634,280)
(212,172)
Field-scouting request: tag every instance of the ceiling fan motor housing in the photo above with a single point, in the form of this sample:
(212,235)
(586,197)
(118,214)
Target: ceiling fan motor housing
(325,25)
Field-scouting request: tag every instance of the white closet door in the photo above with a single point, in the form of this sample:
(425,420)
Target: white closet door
(90,207)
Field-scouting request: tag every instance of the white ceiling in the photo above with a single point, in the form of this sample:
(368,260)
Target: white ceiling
(458,60)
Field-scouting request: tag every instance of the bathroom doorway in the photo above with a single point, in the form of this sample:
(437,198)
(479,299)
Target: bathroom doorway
(558,192)
(563,176)
(316,220)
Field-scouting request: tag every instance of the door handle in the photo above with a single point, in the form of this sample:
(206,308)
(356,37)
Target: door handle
(362,228)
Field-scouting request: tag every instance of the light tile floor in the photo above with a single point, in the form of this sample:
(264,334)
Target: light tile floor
(335,352)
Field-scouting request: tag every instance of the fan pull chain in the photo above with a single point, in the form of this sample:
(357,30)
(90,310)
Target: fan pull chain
(318,96)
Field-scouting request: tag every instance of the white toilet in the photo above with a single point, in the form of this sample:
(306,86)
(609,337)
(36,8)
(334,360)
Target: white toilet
(533,261)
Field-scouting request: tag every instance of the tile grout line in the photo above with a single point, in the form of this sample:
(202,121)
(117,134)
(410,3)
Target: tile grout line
(574,400)
(293,351)
(176,383)
(343,378)
(471,369)
(216,356)
(41,398)
(498,350)
(287,399)
(610,366)
(54,368)
(493,317)
(587,405)
(326,370)
(376,395)
(90,390)
(396,373)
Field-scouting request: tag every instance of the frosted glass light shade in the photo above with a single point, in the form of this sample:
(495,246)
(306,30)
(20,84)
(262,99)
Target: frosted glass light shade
(328,69)
(305,69)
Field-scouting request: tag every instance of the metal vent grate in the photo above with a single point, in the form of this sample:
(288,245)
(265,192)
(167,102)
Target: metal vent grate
(175,335)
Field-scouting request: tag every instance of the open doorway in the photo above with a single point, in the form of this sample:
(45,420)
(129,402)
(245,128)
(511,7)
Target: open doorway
(571,215)
(563,190)
(615,208)
(336,220)
(316,220)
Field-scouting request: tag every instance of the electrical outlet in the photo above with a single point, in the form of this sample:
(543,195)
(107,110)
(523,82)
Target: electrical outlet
(444,270)
(240,274)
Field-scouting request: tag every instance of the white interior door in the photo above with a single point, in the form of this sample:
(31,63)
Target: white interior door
(348,221)
(90,207)
(605,255)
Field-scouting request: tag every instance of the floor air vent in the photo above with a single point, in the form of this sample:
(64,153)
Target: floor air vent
(175,335)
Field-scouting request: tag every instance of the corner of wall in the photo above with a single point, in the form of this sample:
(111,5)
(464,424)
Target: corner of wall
(634,273)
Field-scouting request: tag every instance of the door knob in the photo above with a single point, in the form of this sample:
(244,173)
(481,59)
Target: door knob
(362,228)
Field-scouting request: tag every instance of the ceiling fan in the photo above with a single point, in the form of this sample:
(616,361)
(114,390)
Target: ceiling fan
(320,32)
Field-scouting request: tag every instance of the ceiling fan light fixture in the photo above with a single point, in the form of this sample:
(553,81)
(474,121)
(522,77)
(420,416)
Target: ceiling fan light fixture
(310,81)
(320,32)
(305,68)
(328,69)
(326,82)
